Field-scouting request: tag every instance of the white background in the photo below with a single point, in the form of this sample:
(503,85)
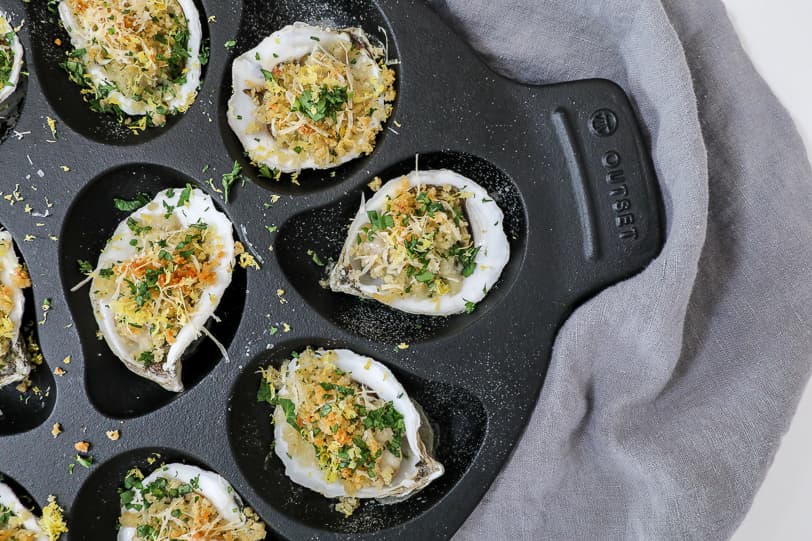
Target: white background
(778,36)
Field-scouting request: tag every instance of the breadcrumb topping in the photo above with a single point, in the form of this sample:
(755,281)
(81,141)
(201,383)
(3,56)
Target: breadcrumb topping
(325,105)
(420,244)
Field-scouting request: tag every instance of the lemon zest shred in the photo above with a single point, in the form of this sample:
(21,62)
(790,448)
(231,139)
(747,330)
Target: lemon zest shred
(53,520)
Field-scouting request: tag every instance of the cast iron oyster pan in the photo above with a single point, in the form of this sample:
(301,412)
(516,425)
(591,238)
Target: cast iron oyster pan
(566,163)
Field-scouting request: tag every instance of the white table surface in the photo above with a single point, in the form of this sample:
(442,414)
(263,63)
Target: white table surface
(777,35)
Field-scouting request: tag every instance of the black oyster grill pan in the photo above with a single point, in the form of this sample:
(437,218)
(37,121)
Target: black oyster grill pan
(566,163)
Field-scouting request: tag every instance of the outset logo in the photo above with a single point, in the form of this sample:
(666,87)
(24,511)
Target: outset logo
(603,122)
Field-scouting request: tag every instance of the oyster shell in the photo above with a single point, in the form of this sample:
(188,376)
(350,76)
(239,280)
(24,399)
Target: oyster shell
(482,248)
(402,468)
(159,279)
(16,51)
(233,517)
(285,123)
(15,364)
(110,73)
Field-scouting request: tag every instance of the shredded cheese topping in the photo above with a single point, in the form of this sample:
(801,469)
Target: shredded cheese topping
(19,280)
(356,436)
(325,105)
(420,245)
(169,509)
(142,47)
(156,292)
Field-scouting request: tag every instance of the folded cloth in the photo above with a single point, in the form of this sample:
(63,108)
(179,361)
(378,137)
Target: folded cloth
(661,421)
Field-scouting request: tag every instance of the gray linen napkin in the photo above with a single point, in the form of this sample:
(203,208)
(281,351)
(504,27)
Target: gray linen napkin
(663,427)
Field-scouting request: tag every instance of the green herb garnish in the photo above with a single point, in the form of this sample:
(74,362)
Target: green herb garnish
(85,267)
(141,199)
(184,195)
(290,412)
(229,179)
(380,222)
(326,103)
(146,358)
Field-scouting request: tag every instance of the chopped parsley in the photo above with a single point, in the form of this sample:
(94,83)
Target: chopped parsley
(267,172)
(387,417)
(6,58)
(315,257)
(130,205)
(229,179)
(326,103)
(84,461)
(380,222)
(290,411)
(184,195)
(136,227)
(466,258)
(85,267)
(205,54)
(146,358)
(266,392)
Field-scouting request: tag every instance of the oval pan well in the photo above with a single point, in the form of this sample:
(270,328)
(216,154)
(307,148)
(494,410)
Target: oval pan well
(23,411)
(66,96)
(457,417)
(260,19)
(90,221)
(324,230)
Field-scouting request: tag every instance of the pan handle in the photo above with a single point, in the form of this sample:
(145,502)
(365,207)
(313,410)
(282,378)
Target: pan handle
(614,195)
